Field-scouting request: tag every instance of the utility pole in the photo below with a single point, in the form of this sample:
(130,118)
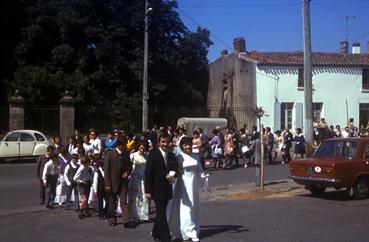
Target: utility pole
(145,95)
(259,112)
(307,76)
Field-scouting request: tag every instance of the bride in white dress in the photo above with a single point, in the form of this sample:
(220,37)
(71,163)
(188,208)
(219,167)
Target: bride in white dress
(184,222)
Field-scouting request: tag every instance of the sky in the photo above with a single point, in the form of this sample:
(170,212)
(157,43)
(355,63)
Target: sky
(276,25)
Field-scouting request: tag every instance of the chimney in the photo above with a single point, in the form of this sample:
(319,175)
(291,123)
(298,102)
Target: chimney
(224,53)
(344,47)
(239,45)
(356,48)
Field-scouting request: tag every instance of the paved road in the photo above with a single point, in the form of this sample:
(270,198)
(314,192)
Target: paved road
(296,218)
(19,180)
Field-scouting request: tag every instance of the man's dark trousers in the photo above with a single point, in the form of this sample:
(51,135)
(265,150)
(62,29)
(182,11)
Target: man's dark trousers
(161,224)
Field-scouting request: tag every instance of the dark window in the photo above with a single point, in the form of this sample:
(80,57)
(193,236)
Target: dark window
(337,149)
(12,137)
(39,137)
(365,79)
(26,137)
(317,111)
(300,81)
(364,113)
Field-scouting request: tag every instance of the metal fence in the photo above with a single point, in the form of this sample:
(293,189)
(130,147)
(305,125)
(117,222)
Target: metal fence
(105,119)
(43,118)
(4,119)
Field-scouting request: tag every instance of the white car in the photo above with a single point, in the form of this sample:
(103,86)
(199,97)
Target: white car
(23,144)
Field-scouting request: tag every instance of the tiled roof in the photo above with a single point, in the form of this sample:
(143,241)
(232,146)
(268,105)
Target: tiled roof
(296,58)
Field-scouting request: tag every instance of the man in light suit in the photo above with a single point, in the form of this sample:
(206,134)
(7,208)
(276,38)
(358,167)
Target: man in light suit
(117,168)
(161,169)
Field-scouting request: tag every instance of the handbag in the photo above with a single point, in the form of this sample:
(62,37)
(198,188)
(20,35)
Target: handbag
(244,149)
(218,150)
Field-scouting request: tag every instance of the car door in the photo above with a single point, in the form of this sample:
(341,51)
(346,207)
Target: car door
(27,144)
(10,145)
(366,159)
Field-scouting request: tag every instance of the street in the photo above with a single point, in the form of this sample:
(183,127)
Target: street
(295,217)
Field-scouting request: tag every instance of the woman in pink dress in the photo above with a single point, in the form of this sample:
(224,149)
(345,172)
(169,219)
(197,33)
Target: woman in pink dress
(228,148)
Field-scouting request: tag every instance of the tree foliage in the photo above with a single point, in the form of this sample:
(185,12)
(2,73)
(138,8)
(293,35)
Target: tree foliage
(94,49)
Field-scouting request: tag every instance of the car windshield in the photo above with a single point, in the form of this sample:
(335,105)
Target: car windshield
(337,149)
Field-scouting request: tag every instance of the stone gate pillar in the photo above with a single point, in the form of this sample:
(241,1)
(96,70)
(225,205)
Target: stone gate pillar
(16,112)
(66,117)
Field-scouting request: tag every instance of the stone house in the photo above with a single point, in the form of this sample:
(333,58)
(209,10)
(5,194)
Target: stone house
(274,81)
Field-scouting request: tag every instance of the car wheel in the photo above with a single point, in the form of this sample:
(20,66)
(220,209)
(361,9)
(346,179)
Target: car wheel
(361,189)
(317,191)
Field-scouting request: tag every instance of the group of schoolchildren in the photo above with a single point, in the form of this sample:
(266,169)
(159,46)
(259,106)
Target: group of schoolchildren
(73,174)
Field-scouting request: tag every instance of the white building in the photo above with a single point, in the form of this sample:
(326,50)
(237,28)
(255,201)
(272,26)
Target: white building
(340,87)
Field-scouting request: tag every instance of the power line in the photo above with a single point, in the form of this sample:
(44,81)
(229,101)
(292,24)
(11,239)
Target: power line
(237,5)
(214,36)
(362,36)
(269,5)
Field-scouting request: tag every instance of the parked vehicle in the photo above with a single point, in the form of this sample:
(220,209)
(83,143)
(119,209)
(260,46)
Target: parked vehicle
(338,163)
(23,144)
(207,124)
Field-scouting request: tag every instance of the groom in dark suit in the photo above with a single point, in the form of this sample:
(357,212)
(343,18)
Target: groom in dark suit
(117,168)
(161,169)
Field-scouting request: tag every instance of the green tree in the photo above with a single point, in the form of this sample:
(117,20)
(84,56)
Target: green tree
(94,49)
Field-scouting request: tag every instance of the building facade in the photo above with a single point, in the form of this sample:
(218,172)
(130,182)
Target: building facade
(340,87)
(232,87)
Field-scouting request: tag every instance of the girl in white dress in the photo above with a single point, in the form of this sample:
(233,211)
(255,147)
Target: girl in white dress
(184,221)
(61,188)
(138,205)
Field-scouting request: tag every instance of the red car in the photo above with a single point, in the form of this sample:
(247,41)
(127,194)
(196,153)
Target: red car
(338,163)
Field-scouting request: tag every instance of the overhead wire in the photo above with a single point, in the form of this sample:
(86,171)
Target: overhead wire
(198,24)
(315,2)
(268,5)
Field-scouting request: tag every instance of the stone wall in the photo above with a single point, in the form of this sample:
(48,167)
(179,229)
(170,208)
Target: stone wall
(232,86)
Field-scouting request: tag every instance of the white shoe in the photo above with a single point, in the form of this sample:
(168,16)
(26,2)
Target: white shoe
(195,239)
(245,166)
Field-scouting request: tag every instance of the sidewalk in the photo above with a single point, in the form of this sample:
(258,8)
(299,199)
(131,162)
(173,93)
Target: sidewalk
(240,184)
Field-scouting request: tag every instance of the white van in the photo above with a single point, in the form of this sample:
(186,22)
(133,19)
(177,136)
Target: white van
(207,124)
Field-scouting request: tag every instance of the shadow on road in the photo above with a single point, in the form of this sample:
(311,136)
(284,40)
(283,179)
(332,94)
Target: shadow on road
(274,183)
(211,230)
(18,161)
(340,195)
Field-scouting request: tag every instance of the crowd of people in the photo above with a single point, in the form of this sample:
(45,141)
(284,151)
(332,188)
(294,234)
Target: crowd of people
(323,131)
(122,172)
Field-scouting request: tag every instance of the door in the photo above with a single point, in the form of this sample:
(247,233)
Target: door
(286,115)
(364,113)
(10,145)
(299,121)
(27,144)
